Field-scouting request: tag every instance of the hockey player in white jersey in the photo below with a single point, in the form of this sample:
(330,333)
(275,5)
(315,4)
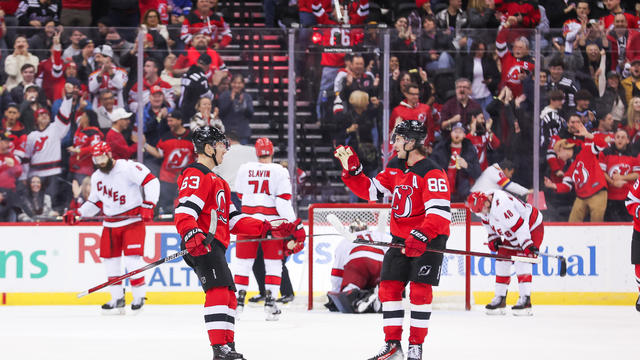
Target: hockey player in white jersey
(126,192)
(355,274)
(498,177)
(512,223)
(265,190)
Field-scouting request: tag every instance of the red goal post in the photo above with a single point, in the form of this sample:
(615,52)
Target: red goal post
(375,216)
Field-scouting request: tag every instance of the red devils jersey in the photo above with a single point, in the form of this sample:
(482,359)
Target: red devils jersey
(598,143)
(209,24)
(512,68)
(339,39)
(84,139)
(177,151)
(633,204)
(584,175)
(421,112)
(420,196)
(205,203)
(614,162)
(481,143)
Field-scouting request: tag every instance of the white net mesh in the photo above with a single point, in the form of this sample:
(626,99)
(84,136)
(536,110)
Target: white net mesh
(450,293)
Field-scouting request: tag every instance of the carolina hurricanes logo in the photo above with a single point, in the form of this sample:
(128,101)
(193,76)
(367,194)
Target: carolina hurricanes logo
(222,208)
(580,175)
(178,158)
(40,143)
(401,204)
(622,169)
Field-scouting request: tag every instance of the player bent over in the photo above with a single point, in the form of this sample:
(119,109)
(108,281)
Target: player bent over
(355,274)
(633,206)
(204,218)
(420,215)
(265,190)
(509,223)
(126,192)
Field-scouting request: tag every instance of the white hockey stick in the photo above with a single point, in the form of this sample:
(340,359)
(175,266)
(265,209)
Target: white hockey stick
(333,220)
(336,5)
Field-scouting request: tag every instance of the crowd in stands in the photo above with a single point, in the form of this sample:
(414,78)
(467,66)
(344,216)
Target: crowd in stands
(464,68)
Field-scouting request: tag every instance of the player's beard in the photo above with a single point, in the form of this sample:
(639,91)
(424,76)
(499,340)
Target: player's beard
(106,168)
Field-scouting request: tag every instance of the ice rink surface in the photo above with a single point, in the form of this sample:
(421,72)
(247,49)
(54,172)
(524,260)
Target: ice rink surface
(177,332)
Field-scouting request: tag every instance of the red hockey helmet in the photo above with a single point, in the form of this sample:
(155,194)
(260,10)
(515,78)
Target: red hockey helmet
(264,147)
(99,152)
(475,201)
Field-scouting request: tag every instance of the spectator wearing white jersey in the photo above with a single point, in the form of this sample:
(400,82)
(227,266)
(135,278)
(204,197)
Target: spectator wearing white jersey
(498,177)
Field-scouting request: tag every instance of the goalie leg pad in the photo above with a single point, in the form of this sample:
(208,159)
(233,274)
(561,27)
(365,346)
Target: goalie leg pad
(344,300)
(219,317)
(421,296)
(392,311)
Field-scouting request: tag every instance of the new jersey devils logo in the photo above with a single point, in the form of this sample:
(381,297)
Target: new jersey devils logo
(401,204)
(622,169)
(178,158)
(580,175)
(40,144)
(222,206)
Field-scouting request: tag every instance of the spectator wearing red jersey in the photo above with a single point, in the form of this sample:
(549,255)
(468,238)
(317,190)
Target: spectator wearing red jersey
(176,150)
(459,108)
(120,149)
(482,137)
(515,64)
(205,21)
(200,46)
(412,109)
(621,169)
(614,8)
(50,74)
(151,78)
(10,171)
(14,130)
(87,135)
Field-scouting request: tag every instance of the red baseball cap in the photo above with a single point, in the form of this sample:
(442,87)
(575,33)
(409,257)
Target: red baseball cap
(155,89)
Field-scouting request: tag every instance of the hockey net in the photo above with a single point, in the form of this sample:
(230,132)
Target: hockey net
(454,289)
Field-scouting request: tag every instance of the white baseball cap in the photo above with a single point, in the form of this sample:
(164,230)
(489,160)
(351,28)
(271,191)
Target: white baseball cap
(104,50)
(119,113)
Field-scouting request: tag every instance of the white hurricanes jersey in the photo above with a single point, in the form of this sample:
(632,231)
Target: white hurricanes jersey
(120,192)
(265,190)
(493,178)
(511,219)
(347,251)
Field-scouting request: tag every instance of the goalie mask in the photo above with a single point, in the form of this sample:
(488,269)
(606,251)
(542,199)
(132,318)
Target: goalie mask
(357,225)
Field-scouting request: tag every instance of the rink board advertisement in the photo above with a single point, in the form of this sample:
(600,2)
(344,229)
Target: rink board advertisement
(56,262)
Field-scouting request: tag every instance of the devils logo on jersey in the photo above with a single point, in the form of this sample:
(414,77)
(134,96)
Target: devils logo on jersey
(40,144)
(622,169)
(178,158)
(401,204)
(580,175)
(222,206)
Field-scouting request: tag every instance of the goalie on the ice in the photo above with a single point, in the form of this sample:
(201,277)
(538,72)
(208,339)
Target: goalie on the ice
(355,274)
(420,216)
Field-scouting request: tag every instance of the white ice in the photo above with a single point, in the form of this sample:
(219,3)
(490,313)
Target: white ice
(177,332)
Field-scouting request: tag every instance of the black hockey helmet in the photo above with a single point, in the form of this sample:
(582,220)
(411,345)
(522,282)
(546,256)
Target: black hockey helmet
(207,135)
(411,129)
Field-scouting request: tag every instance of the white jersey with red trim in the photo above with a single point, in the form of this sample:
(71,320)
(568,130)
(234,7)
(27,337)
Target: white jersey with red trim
(121,192)
(511,219)
(493,178)
(347,251)
(265,190)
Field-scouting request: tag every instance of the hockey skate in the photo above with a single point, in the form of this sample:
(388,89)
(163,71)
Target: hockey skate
(270,308)
(224,352)
(241,295)
(256,299)
(114,307)
(392,350)
(285,299)
(232,346)
(414,352)
(136,305)
(523,307)
(497,306)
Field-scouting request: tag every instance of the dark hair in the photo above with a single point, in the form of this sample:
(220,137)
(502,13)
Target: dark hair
(583,94)
(146,14)
(475,46)
(26,66)
(556,95)
(506,164)
(412,85)
(232,136)
(556,61)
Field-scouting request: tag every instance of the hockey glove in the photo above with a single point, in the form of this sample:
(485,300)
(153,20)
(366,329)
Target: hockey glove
(294,231)
(195,244)
(494,245)
(349,160)
(71,217)
(416,243)
(146,211)
(266,229)
(531,251)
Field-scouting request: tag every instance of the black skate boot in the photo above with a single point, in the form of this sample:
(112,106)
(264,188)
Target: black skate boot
(523,307)
(232,346)
(497,306)
(392,350)
(136,305)
(285,299)
(224,352)
(256,299)
(241,295)
(270,308)
(114,307)
(638,303)
(414,352)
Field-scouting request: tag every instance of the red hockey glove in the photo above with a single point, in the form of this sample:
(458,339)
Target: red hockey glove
(349,160)
(146,211)
(71,217)
(266,229)
(416,244)
(531,251)
(296,231)
(494,245)
(194,242)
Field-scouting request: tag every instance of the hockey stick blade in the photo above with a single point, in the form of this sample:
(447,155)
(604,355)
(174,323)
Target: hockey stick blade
(333,220)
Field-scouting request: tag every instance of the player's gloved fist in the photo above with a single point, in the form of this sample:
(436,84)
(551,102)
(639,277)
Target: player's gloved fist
(349,159)
(146,211)
(295,245)
(531,251)
(416,244)
(266,229)
(494,245)
(71,217)
(195,244)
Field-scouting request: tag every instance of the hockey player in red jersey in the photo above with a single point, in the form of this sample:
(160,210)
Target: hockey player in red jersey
(265,190)
(633,206)
(512,223)
(126,192)
(420,216)
(204,218)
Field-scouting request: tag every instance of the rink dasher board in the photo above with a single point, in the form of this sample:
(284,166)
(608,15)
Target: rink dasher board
(49,264)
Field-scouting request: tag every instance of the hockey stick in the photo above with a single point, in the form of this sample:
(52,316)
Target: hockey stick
(117,217)
(335,222)
(563,261)
(453,251)
(337,6)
